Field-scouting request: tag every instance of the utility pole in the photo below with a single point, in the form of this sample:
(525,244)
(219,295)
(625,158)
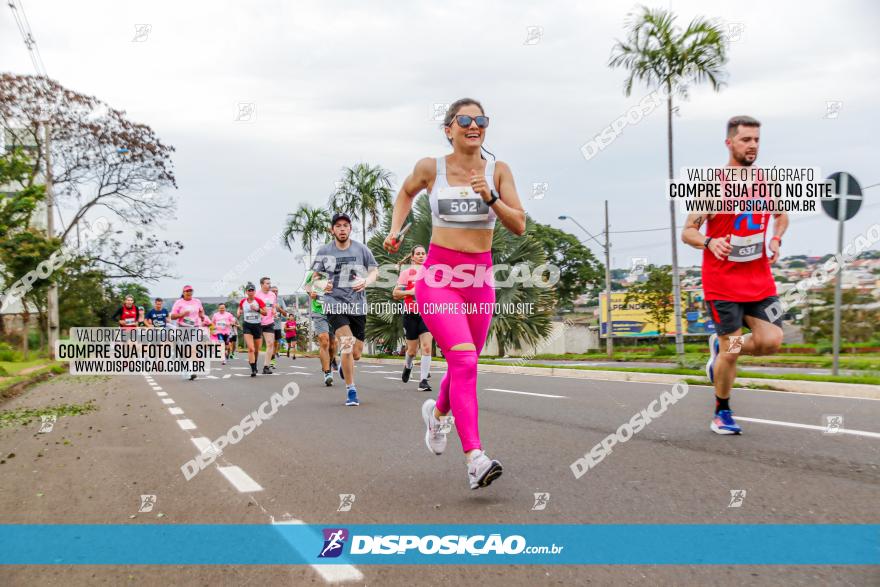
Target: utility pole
(609,340)
(52,294)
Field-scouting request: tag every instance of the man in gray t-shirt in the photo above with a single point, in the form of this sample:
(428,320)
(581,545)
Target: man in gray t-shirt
(351,268)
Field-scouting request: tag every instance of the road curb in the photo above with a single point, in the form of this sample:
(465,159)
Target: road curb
(817,387)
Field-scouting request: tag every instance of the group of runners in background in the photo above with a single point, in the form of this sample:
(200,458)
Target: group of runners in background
(468,194)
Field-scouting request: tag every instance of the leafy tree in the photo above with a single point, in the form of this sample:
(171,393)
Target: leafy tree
(580,271)
(655,296)
(308,224)
(138,291)
(364,193)
(17,206)
(85,296)
(102,164)
(657,53)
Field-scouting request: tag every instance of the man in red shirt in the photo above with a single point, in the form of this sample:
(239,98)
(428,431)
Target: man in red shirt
(737,282)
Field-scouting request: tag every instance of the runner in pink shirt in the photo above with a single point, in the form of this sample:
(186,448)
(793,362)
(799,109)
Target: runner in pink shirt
(222,321)
(188,312)
(267,323)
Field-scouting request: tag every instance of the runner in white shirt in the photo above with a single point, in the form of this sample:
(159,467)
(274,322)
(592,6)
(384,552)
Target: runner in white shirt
(251,310)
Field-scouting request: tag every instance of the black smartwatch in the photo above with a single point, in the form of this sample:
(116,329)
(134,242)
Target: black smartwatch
(495,197)
(706,244)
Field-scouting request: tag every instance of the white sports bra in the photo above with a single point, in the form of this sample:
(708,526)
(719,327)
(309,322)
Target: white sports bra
(460,206)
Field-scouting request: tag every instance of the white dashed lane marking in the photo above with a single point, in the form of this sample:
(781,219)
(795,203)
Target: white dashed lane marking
(330,573)
(167,401)
(239,479)
(526,393)
(162,393)
(186,424)
(175,411)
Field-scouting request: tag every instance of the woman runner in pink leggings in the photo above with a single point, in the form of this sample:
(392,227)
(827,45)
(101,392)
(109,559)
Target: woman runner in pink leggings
(455,296)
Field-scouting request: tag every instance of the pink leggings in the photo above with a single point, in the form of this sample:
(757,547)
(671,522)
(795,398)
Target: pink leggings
(458,315)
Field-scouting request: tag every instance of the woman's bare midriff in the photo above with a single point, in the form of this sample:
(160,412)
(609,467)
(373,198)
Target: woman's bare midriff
(466,240)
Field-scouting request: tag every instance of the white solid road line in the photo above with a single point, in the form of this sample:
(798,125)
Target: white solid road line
(526,393)
(167,401)
(239,479)
(186,424)
(330,573)
(810,427)
(175,411)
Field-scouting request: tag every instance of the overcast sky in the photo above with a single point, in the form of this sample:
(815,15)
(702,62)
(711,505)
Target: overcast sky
(335,83)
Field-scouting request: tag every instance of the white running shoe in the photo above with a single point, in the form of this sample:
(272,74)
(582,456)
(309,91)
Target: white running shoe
(714,347)
(482,471)
(436,430)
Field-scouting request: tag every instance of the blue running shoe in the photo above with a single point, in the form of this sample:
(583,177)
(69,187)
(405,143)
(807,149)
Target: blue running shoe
(723,423)
(352,398)
(714,347)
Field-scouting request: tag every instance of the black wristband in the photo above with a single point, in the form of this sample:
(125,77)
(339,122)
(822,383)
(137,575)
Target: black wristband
(495,198)
(706,244)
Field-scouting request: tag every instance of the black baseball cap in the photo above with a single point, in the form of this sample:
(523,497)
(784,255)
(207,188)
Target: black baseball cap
(250,287)
(339,216)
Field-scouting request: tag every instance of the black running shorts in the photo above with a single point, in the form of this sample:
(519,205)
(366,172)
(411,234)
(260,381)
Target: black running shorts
(730,316)
(414,326)
(357,323)
(254,330)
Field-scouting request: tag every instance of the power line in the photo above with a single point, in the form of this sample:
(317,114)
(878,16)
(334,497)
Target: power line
(639,230)
(24,27)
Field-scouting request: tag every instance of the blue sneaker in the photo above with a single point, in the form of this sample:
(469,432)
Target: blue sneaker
(714,347)
(723,423)
(352,398)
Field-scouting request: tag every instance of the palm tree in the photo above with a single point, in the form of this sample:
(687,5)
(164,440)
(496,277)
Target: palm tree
(508,330)
(364,192)
(309,225)
(662,56)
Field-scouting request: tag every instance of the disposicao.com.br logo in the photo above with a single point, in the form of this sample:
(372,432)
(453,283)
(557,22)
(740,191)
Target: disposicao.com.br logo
(430,544)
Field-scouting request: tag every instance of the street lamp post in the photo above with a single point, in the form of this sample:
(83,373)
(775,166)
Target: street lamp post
(609,340)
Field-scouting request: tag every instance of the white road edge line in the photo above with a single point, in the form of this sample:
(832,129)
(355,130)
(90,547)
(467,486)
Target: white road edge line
(239,479)
(526,393)
(597,380)
(809,427)
(330,573)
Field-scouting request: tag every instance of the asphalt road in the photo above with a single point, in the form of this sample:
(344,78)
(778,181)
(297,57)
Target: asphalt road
(93,468)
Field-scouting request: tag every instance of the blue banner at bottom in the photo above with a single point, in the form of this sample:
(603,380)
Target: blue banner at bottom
(492,544)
